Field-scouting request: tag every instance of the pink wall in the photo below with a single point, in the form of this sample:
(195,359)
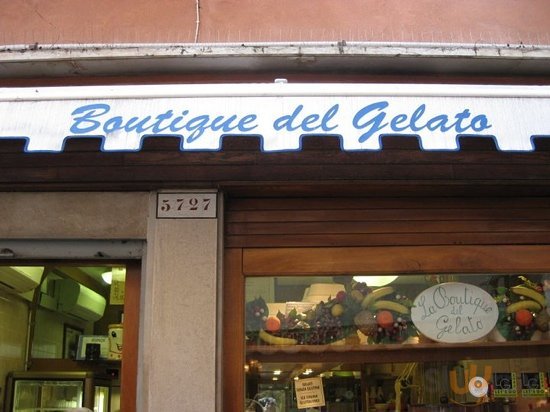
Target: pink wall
(146,21)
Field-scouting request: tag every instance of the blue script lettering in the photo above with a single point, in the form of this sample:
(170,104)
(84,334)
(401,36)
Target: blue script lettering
(93,118)
(372,119)
(85,124)
(309,123)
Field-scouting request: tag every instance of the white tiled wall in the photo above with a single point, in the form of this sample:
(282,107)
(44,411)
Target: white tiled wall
(48,336)
(48,333)
(13,336)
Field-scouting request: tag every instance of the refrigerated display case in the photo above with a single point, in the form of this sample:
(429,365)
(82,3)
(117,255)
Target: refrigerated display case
(57,391)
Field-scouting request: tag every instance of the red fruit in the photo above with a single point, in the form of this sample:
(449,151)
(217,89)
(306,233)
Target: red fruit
(272,324)
(340,296)
(524,317)
(384,318)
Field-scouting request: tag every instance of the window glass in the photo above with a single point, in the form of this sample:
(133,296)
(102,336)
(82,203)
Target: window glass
(346,331)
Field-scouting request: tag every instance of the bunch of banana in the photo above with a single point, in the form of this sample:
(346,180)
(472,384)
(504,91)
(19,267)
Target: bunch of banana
(532,300)
(390,305)
(276,340)
(375,295)
(374,302)
(528,304)
(530,293)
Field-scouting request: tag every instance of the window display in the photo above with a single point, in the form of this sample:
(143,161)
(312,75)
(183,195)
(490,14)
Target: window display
(399,342)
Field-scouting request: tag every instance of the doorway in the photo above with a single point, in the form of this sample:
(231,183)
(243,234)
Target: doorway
(63,317)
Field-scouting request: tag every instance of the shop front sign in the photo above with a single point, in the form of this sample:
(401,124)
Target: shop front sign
(454,312)
(279,115)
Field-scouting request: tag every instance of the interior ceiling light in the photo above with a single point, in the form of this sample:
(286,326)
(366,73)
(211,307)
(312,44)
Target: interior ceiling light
(375,281)
(118,276)
(107,277)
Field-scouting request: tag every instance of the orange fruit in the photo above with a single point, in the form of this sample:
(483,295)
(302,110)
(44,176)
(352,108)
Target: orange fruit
(272,324)
(524,317)
(384,318)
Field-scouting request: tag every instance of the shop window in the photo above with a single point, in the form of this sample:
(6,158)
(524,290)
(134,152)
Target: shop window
(416,342)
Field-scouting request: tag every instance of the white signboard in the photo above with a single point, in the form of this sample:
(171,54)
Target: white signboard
(279,115)
(309,393)
(454,312)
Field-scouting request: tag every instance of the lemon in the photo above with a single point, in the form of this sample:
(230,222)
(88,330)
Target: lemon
(337,310)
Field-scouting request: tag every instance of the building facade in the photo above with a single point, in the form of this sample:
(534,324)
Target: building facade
(378,158)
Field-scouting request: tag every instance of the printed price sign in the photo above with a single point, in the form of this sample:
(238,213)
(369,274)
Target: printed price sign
(186,205)
(504,385)
(118,282)
(309,393)
(532,384)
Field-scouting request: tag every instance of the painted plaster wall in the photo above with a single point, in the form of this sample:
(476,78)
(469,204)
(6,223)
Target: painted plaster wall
(179,356)
(142,21)
(74,215)
(177,362)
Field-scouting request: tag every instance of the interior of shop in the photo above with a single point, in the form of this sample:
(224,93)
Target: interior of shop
(303,327)
(61,328)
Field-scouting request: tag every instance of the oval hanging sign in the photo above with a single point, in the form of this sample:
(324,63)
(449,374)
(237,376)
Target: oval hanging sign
(454,312)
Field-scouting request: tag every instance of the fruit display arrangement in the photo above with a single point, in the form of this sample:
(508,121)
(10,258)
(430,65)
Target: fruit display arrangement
(382,315)
(522,310)
(385,316)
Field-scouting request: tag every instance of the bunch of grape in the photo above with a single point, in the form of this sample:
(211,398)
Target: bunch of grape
(324,328)
(300,334)
(256,312)
(362,287)
(293,326)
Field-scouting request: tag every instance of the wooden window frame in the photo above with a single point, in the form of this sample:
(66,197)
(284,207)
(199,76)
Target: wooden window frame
(240,263)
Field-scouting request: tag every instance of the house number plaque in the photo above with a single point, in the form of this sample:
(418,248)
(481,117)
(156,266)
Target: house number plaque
(186,205)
